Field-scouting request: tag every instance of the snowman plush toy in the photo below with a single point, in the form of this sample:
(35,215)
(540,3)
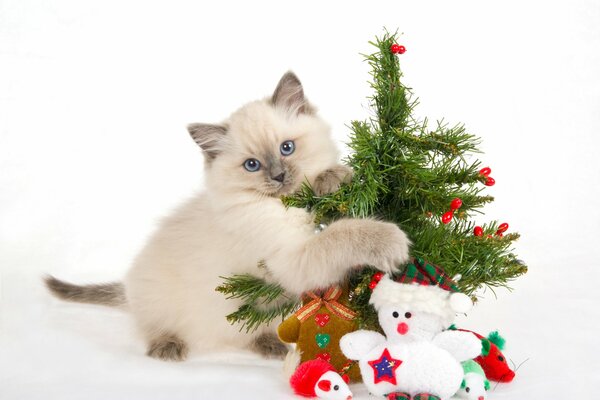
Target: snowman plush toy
(417,358)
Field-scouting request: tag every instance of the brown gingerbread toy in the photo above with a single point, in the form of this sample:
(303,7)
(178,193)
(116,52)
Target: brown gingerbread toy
(317,327)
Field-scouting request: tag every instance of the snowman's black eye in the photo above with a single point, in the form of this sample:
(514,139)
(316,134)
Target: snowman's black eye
(407,315)
(395,314)
(336,387)
(468,389)
(501,359)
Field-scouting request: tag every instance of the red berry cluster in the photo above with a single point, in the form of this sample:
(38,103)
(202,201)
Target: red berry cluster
(454,205)
(478,231)
(486,172)
(397,49)
(501,229)
(375,280)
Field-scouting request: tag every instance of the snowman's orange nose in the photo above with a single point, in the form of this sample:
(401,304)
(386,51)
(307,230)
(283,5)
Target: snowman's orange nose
(402,328)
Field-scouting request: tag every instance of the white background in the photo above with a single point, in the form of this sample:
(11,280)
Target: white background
(94,99)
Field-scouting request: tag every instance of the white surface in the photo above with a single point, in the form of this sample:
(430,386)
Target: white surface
(94,98)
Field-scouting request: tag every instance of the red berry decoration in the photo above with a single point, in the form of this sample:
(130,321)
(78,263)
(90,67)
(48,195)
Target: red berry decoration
(485,171)
(499,234)
(447,217)
(456,204)
(502,228)
(478,231)
(375,280)
(397,49)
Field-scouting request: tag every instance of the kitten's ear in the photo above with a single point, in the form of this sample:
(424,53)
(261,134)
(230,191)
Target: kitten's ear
(208,137)
(290,95)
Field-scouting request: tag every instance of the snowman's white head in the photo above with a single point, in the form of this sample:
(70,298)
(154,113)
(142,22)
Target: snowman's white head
(409,311)
(402,323)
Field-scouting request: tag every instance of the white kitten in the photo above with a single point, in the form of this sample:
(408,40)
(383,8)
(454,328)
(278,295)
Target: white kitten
(264,150)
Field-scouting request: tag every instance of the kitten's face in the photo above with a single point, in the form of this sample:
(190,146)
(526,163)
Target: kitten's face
(267,147)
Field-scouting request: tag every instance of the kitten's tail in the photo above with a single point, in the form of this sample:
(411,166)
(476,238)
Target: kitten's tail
(106,294)
(291,362)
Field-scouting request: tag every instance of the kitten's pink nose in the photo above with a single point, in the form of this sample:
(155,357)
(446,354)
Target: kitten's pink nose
(279,178)
(481,398)
(349,398)
(402,328)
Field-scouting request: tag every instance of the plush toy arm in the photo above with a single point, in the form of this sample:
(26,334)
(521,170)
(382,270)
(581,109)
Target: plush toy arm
(289,330)
(462,345)
(356,344)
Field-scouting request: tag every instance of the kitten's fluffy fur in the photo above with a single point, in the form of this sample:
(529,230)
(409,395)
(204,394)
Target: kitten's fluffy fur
(239,220)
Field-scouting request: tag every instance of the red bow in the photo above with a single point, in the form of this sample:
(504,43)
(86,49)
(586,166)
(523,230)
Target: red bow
(329,299)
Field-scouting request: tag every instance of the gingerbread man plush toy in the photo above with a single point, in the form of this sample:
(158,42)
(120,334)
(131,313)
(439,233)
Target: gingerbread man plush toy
(317,327)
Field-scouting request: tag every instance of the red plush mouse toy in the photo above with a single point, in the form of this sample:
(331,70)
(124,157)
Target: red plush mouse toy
(492,360)
(317,378)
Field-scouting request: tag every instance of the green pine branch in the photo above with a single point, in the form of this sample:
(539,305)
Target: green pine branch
(262,301)
(250,317)
(250,289)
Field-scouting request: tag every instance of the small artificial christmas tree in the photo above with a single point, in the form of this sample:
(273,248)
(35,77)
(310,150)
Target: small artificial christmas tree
(422,178)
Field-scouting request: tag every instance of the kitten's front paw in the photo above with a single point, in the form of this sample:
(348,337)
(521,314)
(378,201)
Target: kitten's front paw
(168,348)
(390,247)
(269,346)
(330,180)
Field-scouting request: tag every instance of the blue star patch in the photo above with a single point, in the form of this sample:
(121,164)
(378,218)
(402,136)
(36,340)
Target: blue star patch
(385,368)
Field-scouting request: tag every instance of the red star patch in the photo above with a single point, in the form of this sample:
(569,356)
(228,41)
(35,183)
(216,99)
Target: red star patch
(385,368)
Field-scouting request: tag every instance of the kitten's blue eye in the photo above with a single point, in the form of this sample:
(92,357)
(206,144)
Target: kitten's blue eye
(252,164)
(287,148)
